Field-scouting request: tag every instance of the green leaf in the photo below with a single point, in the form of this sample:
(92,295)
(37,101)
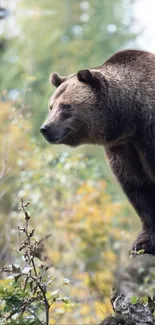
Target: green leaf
(66,300)
(144,300)
(134,300)
(141,251)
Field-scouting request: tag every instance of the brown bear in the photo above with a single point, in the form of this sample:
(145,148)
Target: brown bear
(113,105)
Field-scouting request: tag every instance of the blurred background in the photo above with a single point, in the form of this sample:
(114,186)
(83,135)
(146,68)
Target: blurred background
(74,197)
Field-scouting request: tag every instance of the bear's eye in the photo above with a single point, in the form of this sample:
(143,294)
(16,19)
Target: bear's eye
(65,106)
(50,108)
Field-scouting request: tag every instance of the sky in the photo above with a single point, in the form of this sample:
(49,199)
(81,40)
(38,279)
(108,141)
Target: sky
(144,11)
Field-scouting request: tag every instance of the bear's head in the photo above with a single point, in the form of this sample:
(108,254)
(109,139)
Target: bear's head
(75,109)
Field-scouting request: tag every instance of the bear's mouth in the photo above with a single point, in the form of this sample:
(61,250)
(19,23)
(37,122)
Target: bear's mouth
(59,138)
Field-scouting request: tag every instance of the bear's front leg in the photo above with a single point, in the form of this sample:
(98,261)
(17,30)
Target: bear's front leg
(142,197)
(126,165)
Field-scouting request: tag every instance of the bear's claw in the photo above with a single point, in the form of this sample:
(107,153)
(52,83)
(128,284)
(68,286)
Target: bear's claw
(145,242)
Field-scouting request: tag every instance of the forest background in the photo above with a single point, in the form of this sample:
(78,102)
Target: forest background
(75,200)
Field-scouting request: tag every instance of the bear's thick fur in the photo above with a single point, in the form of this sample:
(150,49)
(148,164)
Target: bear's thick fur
(114,105)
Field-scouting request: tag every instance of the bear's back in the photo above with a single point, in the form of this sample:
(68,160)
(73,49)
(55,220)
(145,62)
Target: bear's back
(130,57)
(132,64)
(134,69)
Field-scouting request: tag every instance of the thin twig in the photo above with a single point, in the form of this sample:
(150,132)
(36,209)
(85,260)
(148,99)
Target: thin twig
(47,305)
(34,314)
(37,281)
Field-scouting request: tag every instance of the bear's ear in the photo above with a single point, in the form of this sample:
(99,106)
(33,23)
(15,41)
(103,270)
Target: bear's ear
(56,80)
(88,77)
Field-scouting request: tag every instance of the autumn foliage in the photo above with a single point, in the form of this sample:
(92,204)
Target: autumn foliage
(86,226)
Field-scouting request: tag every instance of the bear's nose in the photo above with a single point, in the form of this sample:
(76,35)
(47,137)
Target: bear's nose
(44,129)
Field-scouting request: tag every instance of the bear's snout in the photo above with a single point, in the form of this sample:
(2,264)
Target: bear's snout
(44,129)
(48,132)
(54,133)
